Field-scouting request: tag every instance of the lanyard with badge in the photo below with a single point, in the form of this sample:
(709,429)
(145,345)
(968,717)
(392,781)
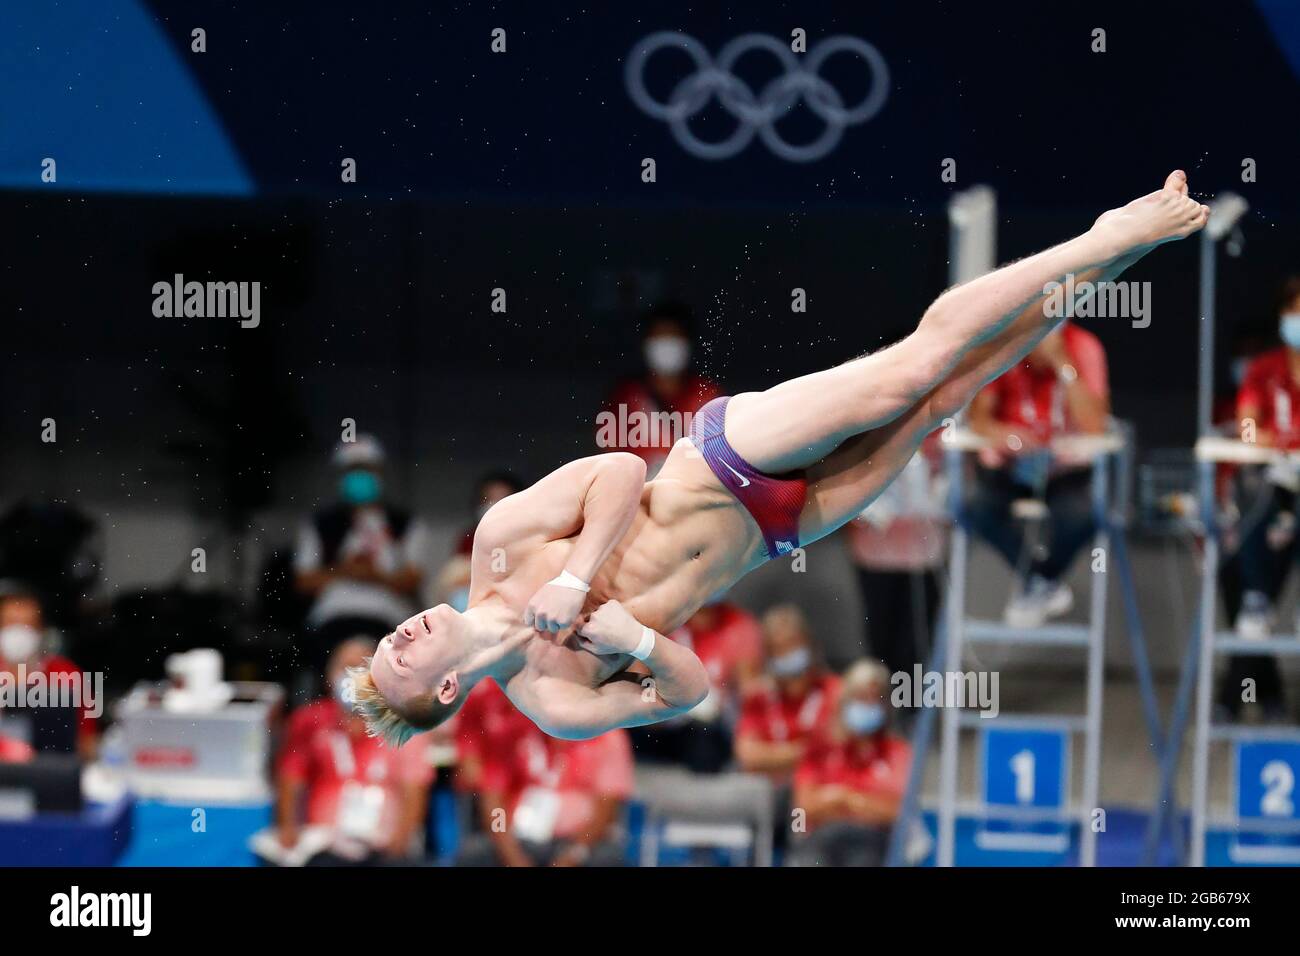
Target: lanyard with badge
(1055,404)
(776,721)
(1032,469)
(810,711)
(360,812)
(538,808)
(1282,411)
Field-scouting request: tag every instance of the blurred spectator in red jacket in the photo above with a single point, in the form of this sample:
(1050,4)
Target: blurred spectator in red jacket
(540,800)
(728,640)
(850,786)
(371,799)
(729,643)
(647,415)
(23,643)
(1060,388)
(791,704)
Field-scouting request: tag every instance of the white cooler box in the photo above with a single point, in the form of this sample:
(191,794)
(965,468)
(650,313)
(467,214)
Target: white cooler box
(219,755)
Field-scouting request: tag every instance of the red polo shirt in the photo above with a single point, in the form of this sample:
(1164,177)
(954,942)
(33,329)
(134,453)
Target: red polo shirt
(878,765)
(772,717)
(525,766)
(321,751)
(1275,396)
(633,397)
(485,723)
(732,639)
(1035,399)
(54,665)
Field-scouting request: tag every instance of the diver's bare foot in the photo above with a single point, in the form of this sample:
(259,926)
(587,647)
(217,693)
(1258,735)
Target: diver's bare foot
(1162,216)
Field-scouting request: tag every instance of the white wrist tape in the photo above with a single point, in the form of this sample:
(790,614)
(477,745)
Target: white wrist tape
(647,644)
(567,580)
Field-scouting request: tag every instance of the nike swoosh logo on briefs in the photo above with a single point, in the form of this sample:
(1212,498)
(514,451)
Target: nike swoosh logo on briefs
(744,482)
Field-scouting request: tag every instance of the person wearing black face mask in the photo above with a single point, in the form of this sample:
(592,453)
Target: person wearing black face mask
(362,559)
(668,391)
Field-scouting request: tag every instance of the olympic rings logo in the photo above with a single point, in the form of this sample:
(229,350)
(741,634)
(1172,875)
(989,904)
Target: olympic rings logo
(756,114)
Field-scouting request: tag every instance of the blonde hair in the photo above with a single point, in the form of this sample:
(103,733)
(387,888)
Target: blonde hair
(385,721)
(865,674)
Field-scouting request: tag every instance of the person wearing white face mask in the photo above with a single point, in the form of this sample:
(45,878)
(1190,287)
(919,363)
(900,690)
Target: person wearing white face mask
(851,783)
(784,712)
(332,776)
(647,414)
(22,645)
(19,643)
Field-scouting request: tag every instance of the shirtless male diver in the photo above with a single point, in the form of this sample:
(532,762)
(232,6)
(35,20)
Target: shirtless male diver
(576,579)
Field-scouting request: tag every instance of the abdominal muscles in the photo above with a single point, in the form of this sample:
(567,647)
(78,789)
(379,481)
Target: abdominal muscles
(690,540)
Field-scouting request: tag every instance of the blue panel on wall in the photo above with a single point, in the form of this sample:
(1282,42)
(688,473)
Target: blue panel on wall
(96,86)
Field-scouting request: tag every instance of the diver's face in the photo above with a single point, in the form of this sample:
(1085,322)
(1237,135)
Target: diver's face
(414,659)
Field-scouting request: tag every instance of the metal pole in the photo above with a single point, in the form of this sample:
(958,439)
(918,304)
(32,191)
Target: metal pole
(1096,659)
(1209,572)
(921,735)
(1137,639)
(956,614)
(1166,804)
(1225,211)
(972,252)
(1205,671)
(1205,365)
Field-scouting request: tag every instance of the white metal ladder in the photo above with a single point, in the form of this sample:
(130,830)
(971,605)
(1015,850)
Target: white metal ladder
(1091,636)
